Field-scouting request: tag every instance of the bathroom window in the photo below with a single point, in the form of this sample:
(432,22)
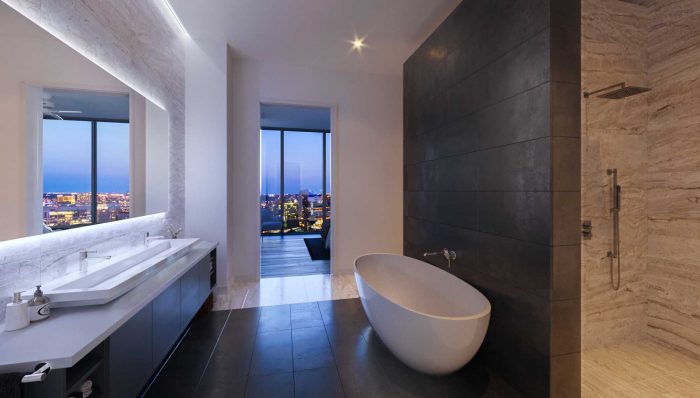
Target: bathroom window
(294,181)
(85,171)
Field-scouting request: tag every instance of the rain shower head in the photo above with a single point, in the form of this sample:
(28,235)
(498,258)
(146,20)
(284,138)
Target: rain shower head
(617,91)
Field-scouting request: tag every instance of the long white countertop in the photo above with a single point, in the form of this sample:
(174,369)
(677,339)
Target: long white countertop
(70,333)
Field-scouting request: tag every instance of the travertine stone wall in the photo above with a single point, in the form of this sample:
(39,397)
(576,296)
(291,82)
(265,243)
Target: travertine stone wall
(614,36)
(673,178)
(654,141)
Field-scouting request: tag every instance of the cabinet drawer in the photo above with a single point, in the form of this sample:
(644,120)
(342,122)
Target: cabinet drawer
(131,355)
(166,321)
(189,296)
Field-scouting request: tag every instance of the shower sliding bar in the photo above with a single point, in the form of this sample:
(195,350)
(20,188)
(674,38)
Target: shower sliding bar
(614,254)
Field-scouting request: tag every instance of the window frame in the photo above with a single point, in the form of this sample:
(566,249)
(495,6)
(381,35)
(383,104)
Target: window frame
(93,162)
(324,188)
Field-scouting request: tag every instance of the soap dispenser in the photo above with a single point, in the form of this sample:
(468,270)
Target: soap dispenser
(38,306)
(16,314)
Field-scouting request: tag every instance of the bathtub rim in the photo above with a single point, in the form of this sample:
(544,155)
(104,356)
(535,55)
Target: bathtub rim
(485,313)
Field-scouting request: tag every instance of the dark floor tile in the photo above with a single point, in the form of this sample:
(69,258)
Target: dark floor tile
(311,348)
(274,318)
(321,383)
(184,369)
(339,334)
(219,388)
(349,350)
(342,311)
(309,338)
(231,360)
(343,358)
(277,339)
(232,356)
(473,380)
(313,358)
(274,386)
(272,353)
(244,320)
(305,315)
(364,378)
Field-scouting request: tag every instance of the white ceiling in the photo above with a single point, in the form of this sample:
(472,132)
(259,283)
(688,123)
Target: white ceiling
(315,32)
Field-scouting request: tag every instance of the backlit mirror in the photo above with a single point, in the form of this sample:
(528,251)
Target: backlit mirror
(79,147)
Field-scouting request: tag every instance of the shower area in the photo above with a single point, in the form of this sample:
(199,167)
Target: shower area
(640,198)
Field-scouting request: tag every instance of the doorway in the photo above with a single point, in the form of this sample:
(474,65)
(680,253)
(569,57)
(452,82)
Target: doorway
(295,191)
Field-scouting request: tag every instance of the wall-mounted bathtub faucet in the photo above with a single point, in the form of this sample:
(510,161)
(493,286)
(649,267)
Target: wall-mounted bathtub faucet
(450,255)
(84,255)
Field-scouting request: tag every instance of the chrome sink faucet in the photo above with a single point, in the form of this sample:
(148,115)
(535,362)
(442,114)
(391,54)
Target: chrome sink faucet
(450,255)
(147,238)
(84,255)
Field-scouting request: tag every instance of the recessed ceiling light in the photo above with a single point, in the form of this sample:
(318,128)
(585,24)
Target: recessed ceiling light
(358,43)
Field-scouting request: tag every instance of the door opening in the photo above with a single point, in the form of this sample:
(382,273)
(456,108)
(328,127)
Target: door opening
(295,191)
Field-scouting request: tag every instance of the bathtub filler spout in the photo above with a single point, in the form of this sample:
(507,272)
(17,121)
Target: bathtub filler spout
(450,255)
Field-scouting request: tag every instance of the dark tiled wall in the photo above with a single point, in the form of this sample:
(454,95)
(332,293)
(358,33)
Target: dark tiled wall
(492,170)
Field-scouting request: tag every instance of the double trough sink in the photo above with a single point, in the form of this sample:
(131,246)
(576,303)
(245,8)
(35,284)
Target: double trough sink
(107,280)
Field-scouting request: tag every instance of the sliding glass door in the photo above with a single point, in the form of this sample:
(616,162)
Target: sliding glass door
(295,181)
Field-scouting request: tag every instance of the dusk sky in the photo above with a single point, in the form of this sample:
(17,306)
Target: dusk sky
(303,162)
(67,156)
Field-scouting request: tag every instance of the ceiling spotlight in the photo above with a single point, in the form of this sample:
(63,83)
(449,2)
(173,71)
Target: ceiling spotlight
(358,43)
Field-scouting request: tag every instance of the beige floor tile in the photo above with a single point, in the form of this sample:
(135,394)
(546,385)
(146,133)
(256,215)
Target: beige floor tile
(288,290)
(639,370)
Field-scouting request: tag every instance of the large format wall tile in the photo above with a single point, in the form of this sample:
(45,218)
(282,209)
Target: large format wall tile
(613,136)
(673,144)
(652,139)
(485,149)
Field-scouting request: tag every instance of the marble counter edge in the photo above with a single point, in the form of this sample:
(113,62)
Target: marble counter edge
(21,350)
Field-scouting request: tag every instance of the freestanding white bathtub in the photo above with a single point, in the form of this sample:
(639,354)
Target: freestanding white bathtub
(431,320)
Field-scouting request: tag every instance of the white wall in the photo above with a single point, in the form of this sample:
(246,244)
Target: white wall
(205,147)
(367,163)
(157,159)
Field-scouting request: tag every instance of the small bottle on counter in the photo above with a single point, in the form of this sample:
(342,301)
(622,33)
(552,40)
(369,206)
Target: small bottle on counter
(38,306)
(16,314)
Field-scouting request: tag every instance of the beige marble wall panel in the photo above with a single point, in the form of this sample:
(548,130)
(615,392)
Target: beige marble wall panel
(673,275)
(613,136)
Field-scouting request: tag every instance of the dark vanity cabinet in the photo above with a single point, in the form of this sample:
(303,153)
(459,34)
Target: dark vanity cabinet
(130,358)
(166,322)
(123,364)
(139,347)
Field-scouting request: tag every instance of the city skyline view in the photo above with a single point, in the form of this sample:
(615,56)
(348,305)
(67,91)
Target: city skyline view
(67,172)
(303,207)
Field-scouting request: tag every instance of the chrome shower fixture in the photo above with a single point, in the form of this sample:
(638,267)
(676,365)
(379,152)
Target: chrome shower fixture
(617,91)
(614,254)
